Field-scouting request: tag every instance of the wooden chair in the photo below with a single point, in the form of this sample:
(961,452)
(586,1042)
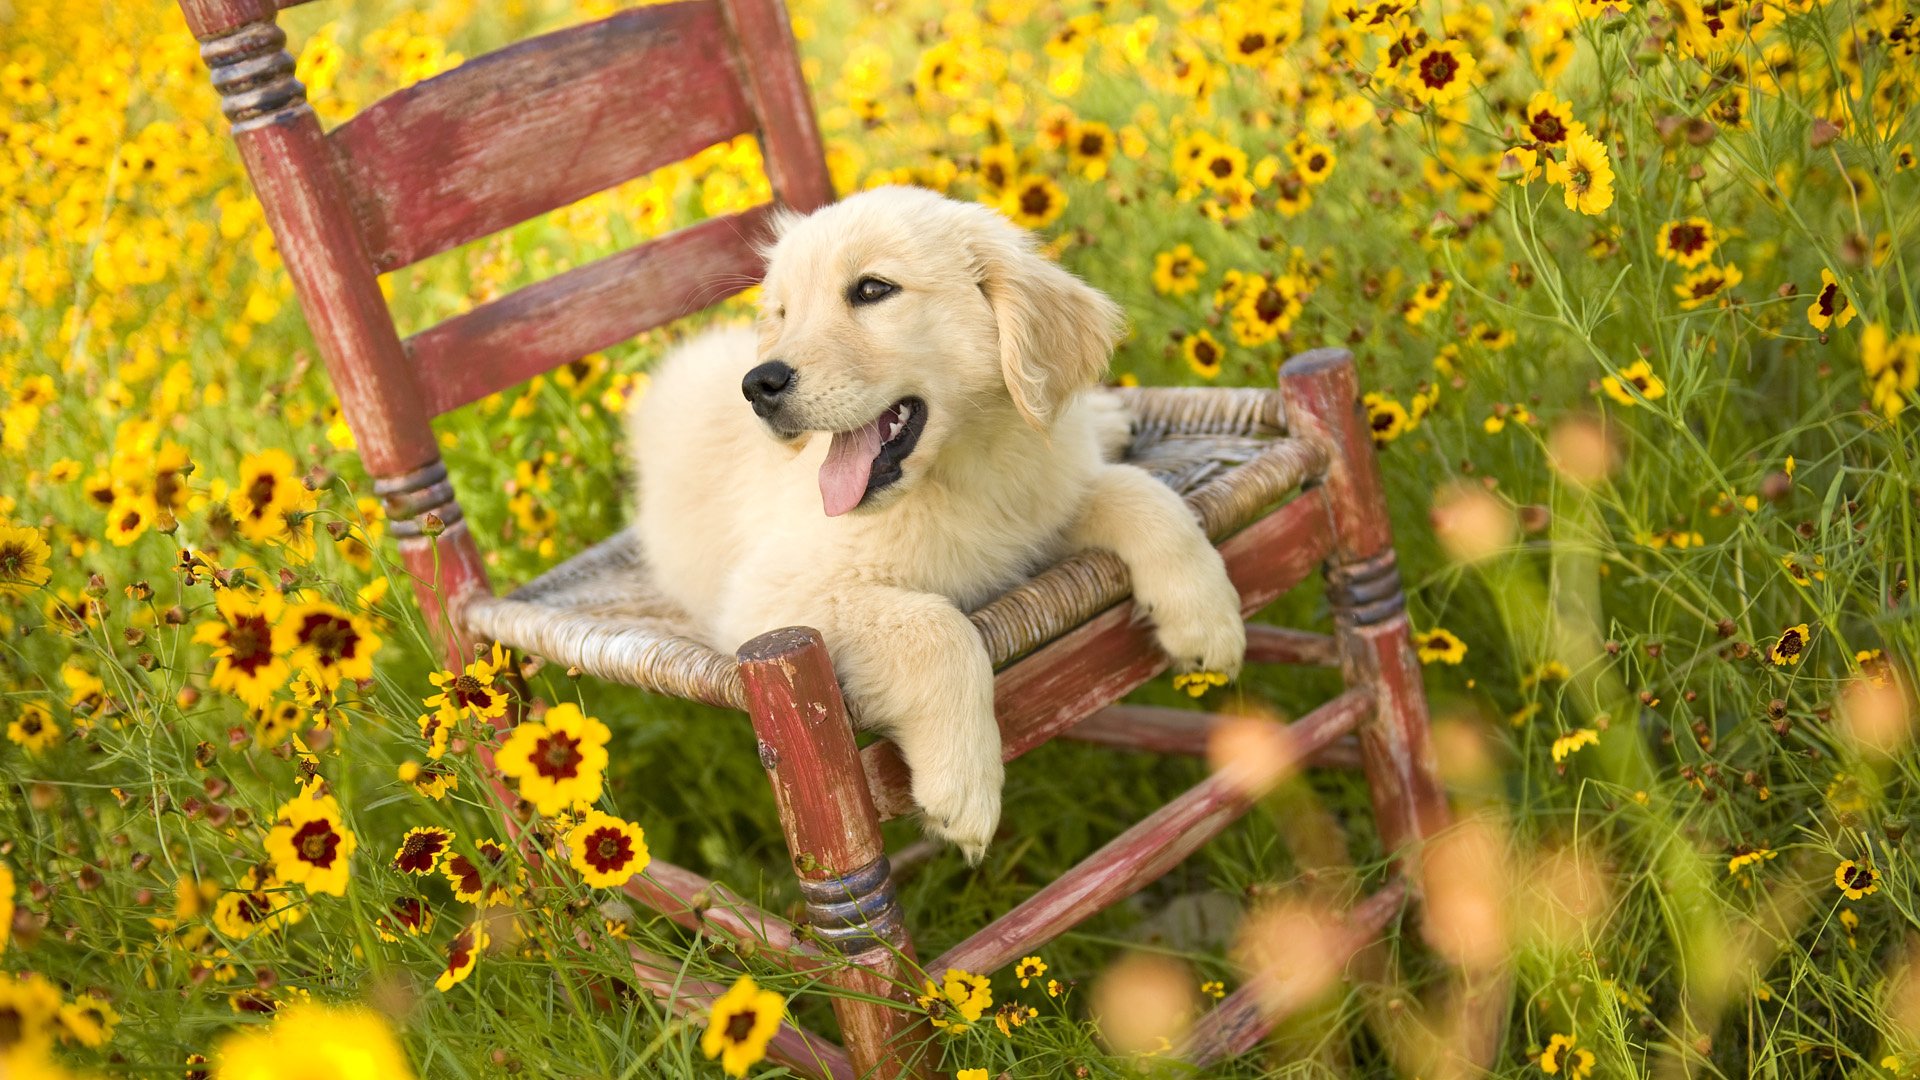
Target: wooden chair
(1285,480)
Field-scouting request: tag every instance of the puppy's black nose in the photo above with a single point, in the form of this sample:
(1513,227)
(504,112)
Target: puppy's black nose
(766,385)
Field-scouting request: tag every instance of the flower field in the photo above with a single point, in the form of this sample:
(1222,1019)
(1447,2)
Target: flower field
(1634,290)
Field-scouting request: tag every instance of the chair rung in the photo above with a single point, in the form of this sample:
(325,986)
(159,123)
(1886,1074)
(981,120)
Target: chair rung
(1044,694)
(797,1048)
(1285,645)
(1161,730)
(699,903)
(1158,843)
(1245,1016)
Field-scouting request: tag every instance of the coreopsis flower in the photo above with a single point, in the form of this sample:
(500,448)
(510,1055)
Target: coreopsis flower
(407,916)
(1573,742)
(1177,272)
(743,1021)
(1028,969)
(420,850)
(1854,880)
(1387,419)
(1892,363)
(1197,683)
(33,728)
(1203,354)
(88,1020)
(558,760)
(1090,147)
(1519,165)
(1438,72)
(1787,650)
(1830,306)
(246,664)
(971,1074)
(1561,1055)
(1749,858)
(255,904)
(473,691)
(432,780)
(29,1012)
(310,845)
(491,879)
(24,556)
(1430,297)
(1705,284)
(1687,242)
(1439,646)
(1635,382)
(1267,308)
(998,168)
(267,490)
(127,520)
(1549,120)
(463,952)
(957,1001)
(1034,202)
(1586,173)
(326,643)
(606,850)
(311,1042)
(1012,1015)
(1314,162)
(1545,672)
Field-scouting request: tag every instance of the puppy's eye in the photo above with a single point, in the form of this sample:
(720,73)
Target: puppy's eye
(870,290)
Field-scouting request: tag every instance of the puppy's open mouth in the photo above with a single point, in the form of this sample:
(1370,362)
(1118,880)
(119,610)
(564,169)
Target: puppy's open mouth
(862,461)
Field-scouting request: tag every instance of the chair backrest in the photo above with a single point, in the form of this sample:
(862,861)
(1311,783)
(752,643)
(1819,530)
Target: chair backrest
(498,140)
(492,143)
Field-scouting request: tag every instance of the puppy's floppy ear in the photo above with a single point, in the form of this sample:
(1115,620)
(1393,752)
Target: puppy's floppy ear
(1056,332)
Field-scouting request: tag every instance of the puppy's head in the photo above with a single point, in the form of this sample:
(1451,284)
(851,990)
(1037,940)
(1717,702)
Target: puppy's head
(893,319)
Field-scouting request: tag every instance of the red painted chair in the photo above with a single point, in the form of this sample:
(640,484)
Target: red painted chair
(1285,480)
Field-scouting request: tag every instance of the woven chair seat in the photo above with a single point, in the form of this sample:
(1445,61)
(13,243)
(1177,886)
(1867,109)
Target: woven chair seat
(1223,450)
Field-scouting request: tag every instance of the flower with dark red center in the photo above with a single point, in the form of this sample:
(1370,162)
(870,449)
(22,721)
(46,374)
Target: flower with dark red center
(1831,307)
(743,1022)
(246,663)
(462,953)
(558,760)
(421,849)
(1791,646)
(1439,72)
(310,846)
(489,879)
(606,850)
(327,643)
(1854,880)
(408,916)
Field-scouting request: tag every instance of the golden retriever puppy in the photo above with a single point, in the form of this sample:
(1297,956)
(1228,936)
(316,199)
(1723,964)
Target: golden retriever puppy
(916,436)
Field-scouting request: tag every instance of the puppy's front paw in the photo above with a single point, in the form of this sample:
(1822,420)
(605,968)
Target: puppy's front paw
(961,801)
(1197,622)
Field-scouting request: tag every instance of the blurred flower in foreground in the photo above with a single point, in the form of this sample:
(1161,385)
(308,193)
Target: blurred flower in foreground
(1581,450)
(314,1042)
(1143,1003)
(744,1021)
(1470,523)
(1466,879)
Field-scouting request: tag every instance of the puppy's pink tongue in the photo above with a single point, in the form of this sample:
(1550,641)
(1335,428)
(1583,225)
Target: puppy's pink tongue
(843,476)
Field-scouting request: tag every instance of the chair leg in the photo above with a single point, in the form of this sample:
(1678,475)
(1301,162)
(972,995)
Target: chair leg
(806,745)
(1363,582)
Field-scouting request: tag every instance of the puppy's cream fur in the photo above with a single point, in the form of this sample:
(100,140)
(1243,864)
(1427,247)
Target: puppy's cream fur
(1011,472)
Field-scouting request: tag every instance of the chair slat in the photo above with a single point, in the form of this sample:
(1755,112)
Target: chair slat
(566,316)
(538,125)
(1097,664)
